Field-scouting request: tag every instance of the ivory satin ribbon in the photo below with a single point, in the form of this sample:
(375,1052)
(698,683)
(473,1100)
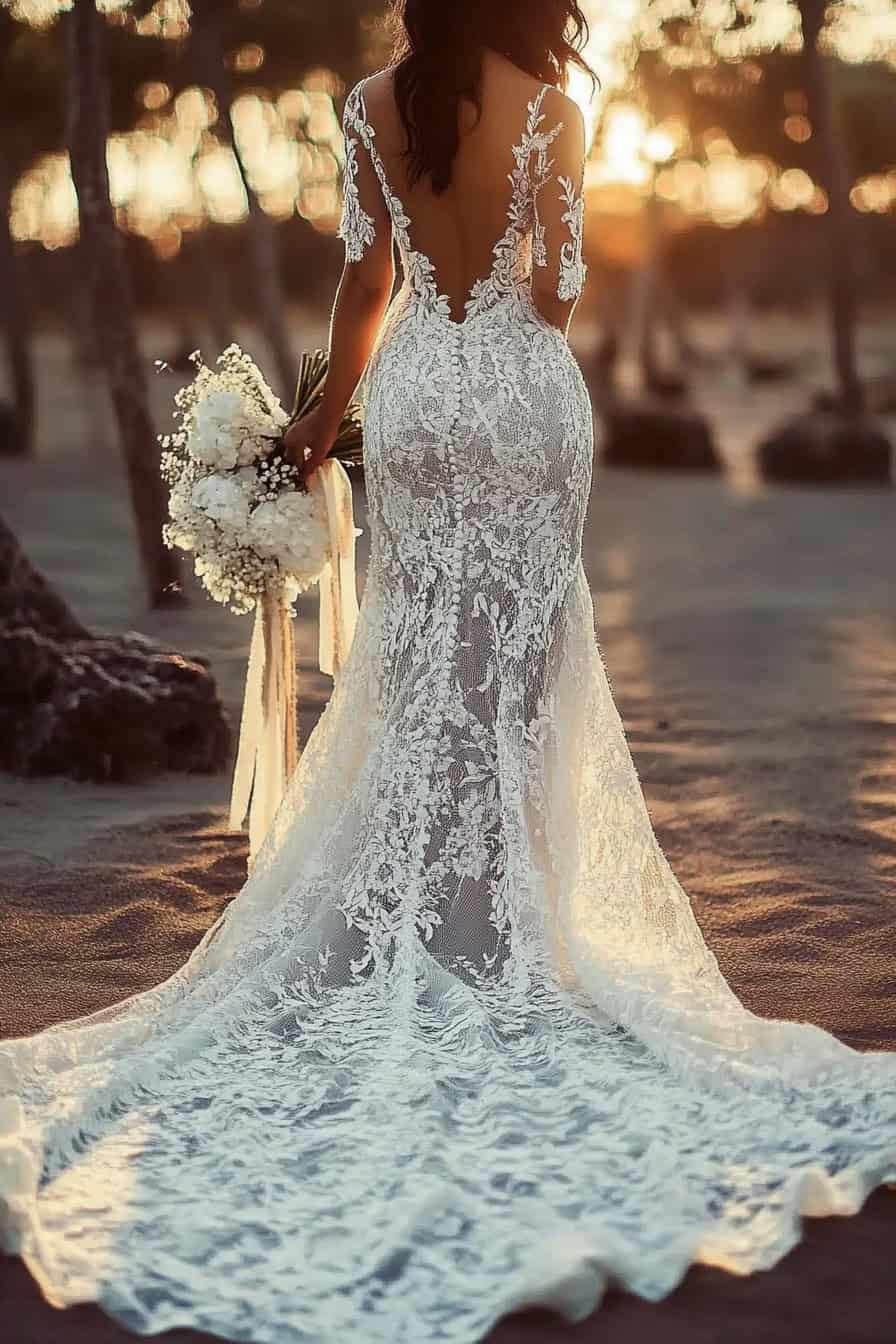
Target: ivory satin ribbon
(267,752)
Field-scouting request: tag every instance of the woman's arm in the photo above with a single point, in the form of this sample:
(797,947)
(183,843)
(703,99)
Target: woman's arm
(558,273)
(361,298)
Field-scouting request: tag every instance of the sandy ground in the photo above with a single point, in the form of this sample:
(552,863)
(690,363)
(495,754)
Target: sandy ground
(750,637)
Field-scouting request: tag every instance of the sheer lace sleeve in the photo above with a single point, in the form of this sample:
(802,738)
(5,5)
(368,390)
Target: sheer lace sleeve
(560,208)
(364,216)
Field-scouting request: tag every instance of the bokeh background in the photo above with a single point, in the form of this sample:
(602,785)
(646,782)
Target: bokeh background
(741,196)
(170,179)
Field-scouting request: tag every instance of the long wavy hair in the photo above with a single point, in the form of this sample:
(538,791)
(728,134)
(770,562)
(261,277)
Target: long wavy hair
(438,61)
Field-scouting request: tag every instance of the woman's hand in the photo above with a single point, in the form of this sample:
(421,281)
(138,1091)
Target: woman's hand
(314,432)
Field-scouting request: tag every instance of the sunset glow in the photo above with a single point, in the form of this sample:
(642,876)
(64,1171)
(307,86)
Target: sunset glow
(172,173)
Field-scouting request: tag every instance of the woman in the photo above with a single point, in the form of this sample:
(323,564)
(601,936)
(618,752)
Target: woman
(458,1046)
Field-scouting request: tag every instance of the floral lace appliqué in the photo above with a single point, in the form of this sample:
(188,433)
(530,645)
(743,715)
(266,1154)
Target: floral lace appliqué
(356,227)
(572,268)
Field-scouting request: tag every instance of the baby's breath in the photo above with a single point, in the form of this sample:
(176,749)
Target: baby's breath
(227,436)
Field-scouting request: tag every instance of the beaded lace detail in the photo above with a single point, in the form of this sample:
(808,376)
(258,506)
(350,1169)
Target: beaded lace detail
(458,1046)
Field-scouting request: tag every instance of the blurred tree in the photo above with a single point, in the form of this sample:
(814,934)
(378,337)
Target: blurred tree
(290,38)
(31,109)
(29,122)
(720,73)
(211,22)
(832,170)
(112,298)
(17,324)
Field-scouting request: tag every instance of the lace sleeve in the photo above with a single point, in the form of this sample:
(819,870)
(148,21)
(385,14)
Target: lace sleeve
(572,268)
(560,208)
(356,228)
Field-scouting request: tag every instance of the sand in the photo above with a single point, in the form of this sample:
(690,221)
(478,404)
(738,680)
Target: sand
(750,636)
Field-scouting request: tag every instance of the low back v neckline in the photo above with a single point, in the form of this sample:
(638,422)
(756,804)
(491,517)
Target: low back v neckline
(509,265)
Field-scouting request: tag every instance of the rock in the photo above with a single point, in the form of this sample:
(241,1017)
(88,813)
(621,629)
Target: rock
(824,447)
(29,668)
(101,709)
(140,641)
(95,707)
(658,436)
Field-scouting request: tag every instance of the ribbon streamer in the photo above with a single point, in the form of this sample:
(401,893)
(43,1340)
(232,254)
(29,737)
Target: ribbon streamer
(268,745)
(338,595)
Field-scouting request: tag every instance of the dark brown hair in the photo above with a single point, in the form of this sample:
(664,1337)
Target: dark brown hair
(438,61)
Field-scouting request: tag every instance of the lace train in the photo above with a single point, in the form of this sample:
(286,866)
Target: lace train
(272,1147)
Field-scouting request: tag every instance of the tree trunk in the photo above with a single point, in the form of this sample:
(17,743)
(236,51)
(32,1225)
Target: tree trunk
(271,304)
(208,268)
(832,169)
(209,57)
(214,291)
(196,284)
(109,285)
(17,323)
(645,315)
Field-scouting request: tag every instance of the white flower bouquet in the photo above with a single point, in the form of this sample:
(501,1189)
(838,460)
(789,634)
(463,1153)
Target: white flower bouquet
(235,502)
(261,536)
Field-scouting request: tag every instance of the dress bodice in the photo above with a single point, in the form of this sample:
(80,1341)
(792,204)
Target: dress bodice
(520,247)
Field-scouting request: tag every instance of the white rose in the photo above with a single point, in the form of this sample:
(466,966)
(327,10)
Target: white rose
(214,438)
(216,453)
(228,431)
(223,500)
(292,530)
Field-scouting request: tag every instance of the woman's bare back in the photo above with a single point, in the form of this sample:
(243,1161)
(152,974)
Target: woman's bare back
(458,229)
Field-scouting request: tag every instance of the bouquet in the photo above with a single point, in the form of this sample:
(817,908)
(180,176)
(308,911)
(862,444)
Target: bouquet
(260,536)
(235,502)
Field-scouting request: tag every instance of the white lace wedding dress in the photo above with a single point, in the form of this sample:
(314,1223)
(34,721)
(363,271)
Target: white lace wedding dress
(458,1046)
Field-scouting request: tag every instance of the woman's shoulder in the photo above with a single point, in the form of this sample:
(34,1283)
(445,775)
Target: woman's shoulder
(559,107)
(374,90)
(511,81)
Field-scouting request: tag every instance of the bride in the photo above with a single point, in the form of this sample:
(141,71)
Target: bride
(458,1046)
